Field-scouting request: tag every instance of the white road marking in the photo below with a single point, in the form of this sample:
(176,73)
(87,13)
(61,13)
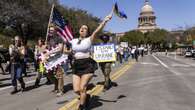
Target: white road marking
(177,74)
(160,61)
(147,63)
(180,65)
(191,64)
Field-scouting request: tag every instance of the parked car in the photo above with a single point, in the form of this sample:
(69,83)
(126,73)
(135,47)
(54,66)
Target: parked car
(193,53)
(188,53)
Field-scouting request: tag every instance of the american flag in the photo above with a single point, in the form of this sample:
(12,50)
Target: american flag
(62,27)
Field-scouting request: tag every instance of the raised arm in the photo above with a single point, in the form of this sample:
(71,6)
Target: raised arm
(102,24)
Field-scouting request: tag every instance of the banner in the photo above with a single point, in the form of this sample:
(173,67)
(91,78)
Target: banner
(53,60)
(104,53)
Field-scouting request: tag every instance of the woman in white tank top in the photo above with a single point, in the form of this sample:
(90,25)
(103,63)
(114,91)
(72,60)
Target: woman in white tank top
(84,66)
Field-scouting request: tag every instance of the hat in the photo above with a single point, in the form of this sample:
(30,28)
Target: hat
(105,37)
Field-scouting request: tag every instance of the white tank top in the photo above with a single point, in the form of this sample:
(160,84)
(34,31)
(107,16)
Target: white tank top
(81,50)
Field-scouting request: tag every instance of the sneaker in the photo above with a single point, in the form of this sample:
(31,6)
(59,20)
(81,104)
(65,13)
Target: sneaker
(59,94)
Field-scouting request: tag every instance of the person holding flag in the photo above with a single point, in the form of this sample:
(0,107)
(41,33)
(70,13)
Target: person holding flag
(84,66)
(59,26)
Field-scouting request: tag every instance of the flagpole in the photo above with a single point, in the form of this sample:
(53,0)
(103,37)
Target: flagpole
(50,17)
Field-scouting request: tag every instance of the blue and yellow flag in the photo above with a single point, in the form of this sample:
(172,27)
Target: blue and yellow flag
(118,12)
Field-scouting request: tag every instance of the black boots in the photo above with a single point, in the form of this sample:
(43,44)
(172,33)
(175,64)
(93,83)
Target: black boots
(15,90)
(87,100)
(81,107)
(107,84)
(87,103)
(22,84)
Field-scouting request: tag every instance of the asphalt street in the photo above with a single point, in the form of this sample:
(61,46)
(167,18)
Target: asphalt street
(156,82)
(41,98)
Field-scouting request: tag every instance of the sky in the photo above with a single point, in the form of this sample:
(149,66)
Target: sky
(171,14)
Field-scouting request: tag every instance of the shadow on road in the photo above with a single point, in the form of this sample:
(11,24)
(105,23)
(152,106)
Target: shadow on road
(62,102)
(96,101)
(4,85)
(68,87)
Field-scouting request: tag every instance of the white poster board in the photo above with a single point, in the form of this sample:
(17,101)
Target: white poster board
(124,44)
(104,53)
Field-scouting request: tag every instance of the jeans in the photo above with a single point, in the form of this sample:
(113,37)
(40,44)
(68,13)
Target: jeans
(126,56)
(65,67)
(16,74)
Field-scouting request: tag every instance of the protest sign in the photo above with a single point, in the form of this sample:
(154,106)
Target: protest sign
(104,53)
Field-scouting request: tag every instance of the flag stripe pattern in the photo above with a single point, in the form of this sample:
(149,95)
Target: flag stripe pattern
(62,27)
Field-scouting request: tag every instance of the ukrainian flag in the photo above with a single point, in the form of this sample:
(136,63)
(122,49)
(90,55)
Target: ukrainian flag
(118,12)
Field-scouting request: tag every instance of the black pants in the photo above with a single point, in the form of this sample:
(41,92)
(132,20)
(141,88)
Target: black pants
(2,68)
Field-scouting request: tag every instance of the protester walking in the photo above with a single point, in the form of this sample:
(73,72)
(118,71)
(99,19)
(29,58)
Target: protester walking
(39,49)
(136,54)
(84,65)
(106,66)
(16,52)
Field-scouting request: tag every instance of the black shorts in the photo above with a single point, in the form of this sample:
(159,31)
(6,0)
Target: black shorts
(84,66)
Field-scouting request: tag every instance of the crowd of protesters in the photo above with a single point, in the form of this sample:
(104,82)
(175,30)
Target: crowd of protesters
(83,66)
(79,60)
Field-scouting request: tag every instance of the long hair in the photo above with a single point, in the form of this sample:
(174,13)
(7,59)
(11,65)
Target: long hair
(88,33)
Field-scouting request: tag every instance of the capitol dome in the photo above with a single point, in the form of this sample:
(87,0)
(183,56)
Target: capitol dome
(146,7)
(147,19)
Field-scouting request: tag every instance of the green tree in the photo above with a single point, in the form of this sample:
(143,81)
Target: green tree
(157,38)
(189,35)
(29,18)
(133,38)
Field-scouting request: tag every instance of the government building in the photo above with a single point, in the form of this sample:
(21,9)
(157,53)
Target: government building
(147,18)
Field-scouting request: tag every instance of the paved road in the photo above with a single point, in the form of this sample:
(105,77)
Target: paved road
(40,98)
(156,82)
